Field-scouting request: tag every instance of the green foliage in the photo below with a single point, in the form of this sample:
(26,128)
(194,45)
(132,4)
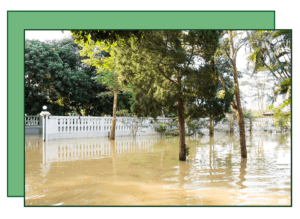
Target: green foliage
(55,76)
(187,150)
(282,113)
(256,114)
(250,114)
(162,128)
(103,115)
(161,68)
(221,94)
(282,118)
(192,125)
(107,36)
(125,113)
(101,56)
(271,50)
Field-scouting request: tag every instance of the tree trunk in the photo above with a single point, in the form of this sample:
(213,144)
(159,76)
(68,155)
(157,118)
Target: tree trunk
(114,120)
(211,127)
(113,156)
(239,111)
(231,127)
(182,147)
(242,132)
(240,116)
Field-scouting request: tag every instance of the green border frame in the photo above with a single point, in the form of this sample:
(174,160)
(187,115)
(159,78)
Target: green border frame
(19,21)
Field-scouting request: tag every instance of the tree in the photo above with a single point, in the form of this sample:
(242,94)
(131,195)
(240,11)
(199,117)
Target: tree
(162,67)
(271,51)
(101,56)
(216,107)
(226,91)
(251,116)
(55,76)
(231,44)
(106,36)
(282,117)
(134,125)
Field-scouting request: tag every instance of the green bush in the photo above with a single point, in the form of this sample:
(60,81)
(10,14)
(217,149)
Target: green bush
(162,128)
(125,113)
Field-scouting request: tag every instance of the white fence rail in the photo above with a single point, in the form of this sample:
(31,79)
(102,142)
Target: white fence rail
(33,121)
(33,124)
(60,127)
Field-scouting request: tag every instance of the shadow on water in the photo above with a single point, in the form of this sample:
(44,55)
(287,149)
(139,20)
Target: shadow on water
(146,171)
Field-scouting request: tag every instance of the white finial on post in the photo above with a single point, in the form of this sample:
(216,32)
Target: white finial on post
(44,114)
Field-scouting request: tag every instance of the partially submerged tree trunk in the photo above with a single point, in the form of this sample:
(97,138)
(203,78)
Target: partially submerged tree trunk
(114,120)
(182,146)
(241,122)
(238,108)
(211,127)
(231,125)
(113,156)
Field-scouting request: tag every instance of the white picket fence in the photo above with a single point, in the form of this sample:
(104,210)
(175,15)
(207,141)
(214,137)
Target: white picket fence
(60,127)
(32,121)
(33,125)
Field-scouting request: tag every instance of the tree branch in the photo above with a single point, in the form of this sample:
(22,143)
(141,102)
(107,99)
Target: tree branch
(167,76)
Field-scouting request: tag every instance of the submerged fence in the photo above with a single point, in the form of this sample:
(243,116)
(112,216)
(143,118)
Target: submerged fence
(61,127)
(33,125)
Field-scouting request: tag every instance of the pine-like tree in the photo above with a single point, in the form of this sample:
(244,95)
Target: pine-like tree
(170,70)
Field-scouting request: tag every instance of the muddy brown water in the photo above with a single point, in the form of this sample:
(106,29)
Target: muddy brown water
(146,171)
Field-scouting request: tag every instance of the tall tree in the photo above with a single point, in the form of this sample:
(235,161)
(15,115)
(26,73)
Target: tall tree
(230,46)
(163,68)
(101,56)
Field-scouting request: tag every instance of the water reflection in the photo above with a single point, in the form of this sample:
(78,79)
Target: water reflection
(68,150)
(146,171)
(242,173)
(113,156)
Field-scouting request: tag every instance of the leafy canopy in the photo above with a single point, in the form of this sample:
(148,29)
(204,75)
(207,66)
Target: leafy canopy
(163,67)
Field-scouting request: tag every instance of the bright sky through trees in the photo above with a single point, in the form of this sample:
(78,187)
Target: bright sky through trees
(44,35)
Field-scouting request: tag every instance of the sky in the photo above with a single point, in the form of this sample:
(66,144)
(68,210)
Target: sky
(47,35)
(51,35)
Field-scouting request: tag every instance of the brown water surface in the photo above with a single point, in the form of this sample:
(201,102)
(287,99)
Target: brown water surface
(147,171)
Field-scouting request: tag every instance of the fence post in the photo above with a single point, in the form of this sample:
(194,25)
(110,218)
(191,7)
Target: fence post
(44,114)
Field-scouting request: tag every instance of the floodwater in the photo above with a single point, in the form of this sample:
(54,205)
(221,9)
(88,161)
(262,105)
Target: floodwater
(146,171)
